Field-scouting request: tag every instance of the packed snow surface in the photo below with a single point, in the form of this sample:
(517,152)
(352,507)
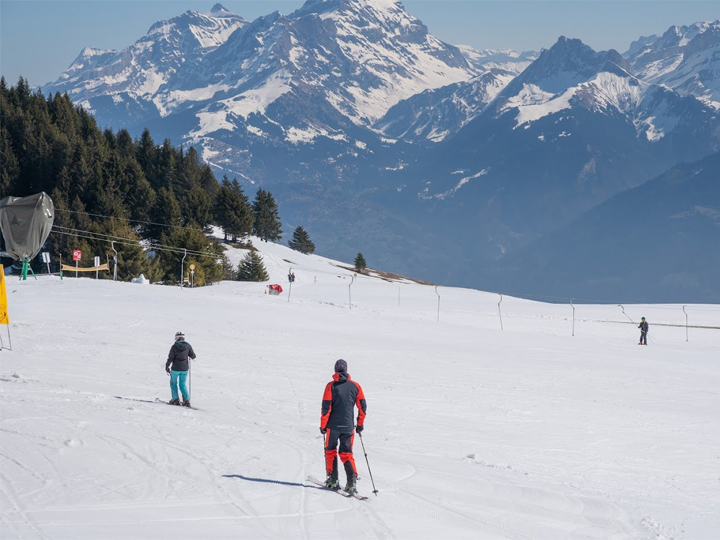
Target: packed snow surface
(471,432)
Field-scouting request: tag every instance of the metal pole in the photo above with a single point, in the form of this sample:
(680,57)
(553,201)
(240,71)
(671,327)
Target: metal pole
(399,296)
(349,291)
(623,310)
(438,295)
(289,281)
(375,491)
(573,308)
(112,244)
(500,313)
(686,324)
(9,338)
(182,269)
(76,267)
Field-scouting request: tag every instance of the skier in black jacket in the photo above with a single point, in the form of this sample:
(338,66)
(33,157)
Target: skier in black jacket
(178,357)
(340,398)
(643,331)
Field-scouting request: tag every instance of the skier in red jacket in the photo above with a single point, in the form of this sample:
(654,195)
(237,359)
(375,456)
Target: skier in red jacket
(341,397)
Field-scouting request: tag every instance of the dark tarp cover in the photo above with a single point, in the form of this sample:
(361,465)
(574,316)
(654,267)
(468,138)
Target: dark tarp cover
(25,223)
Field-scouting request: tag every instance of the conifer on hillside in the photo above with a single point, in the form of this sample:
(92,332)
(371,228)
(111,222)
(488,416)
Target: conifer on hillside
(251,268)
(301,242)
(267,218)
(232,211)
(360,263)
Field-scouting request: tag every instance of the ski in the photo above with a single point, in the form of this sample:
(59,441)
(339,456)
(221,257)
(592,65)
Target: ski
(158,400)
(345,494)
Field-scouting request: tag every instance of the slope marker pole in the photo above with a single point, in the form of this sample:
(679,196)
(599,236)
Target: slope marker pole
(500,312)
(438,295)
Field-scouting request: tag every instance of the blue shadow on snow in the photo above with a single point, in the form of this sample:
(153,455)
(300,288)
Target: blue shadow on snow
(268,481)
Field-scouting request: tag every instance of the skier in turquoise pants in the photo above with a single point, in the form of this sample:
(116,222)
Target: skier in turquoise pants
(178,359)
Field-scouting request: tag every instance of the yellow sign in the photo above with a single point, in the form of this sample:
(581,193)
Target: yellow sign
(4,317)
(192,267)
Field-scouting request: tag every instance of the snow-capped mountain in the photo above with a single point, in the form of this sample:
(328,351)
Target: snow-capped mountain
(503,59)
(437,114)
(685,58)
(308,73)
(123,87)
(572,75)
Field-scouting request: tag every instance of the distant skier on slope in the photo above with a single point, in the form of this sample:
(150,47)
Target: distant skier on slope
(643,331)
(341,397)
(178,357)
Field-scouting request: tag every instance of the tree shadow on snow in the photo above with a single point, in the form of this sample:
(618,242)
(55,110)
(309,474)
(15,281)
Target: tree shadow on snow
(269,481)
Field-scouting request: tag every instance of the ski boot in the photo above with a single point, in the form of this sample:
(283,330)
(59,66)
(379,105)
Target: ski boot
(175,401)
(186,403)
(351,486)
(332,482)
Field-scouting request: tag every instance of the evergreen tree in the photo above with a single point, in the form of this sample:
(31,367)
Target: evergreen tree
(146,155)
(267,218)
(360,263)
(301,241)
(165,214)
(251,268)
(232,210)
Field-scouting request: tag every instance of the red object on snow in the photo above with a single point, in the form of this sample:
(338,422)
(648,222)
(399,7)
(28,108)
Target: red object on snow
(276,287)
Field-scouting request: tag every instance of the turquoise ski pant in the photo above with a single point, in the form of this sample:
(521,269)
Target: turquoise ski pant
(181,378)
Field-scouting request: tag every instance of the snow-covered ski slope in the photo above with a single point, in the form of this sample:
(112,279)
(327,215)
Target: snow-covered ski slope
(472,431)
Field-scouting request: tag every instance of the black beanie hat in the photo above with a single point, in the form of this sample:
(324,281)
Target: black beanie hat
(340,365)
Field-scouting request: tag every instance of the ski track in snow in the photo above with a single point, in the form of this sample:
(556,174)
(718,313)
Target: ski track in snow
(472,432)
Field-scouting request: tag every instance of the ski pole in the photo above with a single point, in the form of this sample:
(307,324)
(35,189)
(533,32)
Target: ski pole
(375,491)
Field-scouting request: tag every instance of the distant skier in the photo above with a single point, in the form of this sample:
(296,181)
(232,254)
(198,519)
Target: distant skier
(341,397)
(643,331)
(178,357)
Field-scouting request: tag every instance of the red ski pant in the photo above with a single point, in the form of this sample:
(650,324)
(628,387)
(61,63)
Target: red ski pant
(332,437)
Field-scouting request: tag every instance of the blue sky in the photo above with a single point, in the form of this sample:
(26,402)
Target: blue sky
(40,38)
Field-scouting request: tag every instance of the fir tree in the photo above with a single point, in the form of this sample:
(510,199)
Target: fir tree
(360,263)
(301,241)
(251,268)
(232,210)
(267,218)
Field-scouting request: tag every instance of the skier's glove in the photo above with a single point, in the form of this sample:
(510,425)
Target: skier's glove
(359,429)
(323,430)
(167,370)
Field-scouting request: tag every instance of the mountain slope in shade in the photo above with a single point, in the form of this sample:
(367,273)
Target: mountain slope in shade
(657,242)
(685,58)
